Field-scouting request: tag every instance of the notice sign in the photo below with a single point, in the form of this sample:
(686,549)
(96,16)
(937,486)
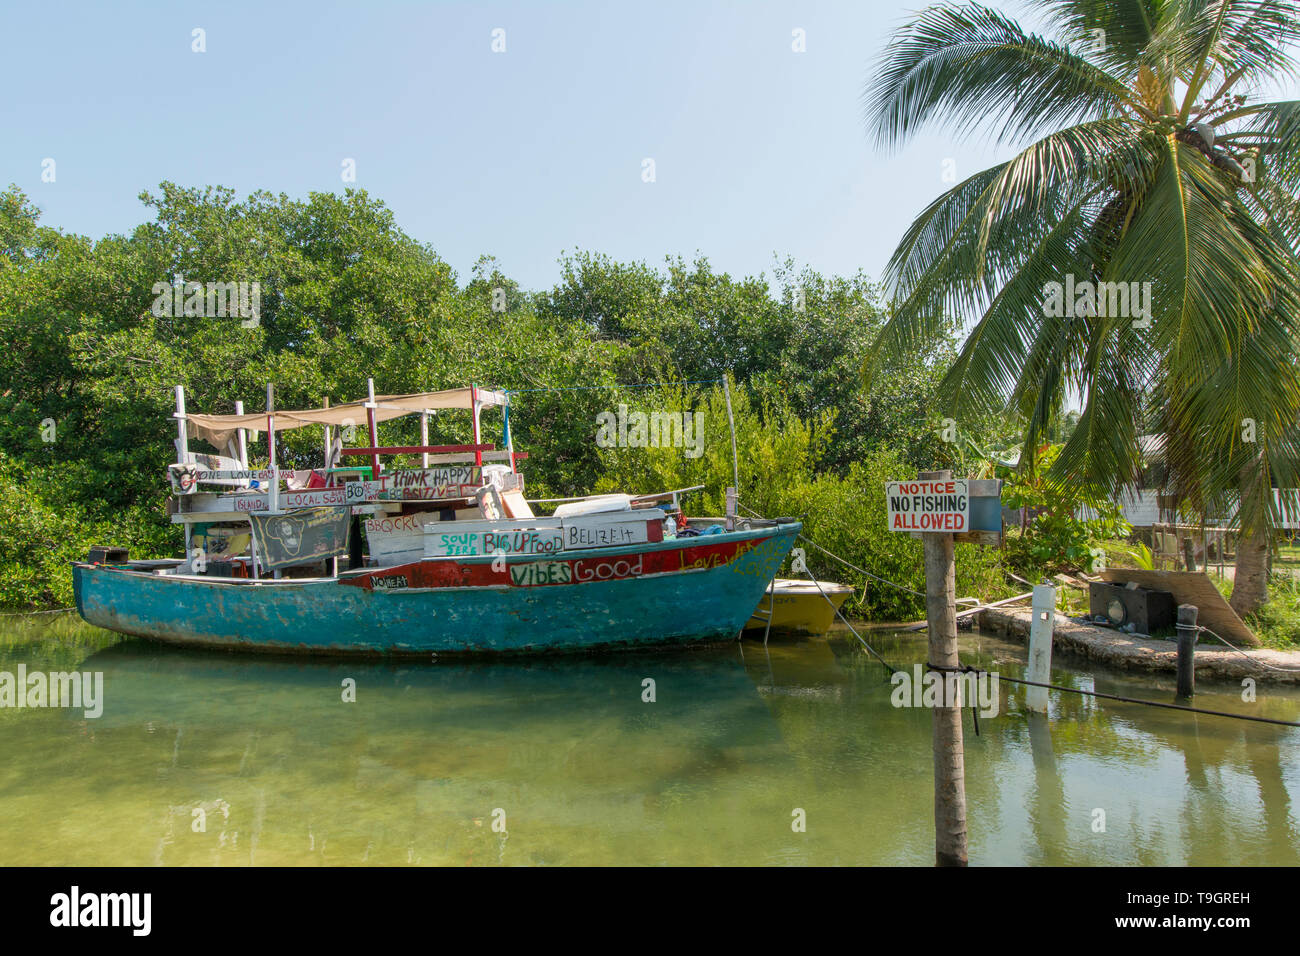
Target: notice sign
(928,505)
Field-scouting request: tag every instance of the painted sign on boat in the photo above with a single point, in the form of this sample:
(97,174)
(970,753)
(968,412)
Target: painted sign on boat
(300,537)
(613,530)
(927,505)
(289,500)
(530,541)
(426,484)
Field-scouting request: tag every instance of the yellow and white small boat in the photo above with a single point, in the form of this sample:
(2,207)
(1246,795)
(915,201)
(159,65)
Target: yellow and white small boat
(798,606)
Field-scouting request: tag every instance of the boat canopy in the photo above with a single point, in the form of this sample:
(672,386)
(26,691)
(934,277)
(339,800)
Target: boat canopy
(219,429)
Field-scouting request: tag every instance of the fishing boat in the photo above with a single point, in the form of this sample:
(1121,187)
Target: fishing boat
(799,607)
(444,558)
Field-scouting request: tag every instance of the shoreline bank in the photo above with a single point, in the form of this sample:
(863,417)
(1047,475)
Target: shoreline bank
(1213,661)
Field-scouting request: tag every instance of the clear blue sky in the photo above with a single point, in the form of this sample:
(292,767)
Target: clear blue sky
(522,155)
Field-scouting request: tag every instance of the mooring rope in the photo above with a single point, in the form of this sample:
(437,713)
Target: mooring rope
(1246,654)
(889,667)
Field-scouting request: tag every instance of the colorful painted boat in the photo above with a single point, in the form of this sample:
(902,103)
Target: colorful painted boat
(797,606)
(685,590)
(457,562)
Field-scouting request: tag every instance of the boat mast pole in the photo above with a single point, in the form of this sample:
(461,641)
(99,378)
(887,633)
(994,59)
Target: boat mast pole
(424,437)
(473,402)
(334,561)
(183,456)
(243,461)
(182,433)
(274,501)
(733,493)
(374,427)
(509,436)
(243,438)
(327,441)
(731,421)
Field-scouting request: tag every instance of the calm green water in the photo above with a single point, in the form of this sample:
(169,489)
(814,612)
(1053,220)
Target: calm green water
(588,773)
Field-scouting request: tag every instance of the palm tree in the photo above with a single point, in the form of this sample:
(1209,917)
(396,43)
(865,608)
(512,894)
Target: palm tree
(1140,252)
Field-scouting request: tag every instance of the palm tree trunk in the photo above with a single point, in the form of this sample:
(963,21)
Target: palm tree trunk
(1250,582)
(1250,579)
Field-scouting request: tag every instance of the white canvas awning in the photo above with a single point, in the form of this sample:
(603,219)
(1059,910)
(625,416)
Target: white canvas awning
(219,429)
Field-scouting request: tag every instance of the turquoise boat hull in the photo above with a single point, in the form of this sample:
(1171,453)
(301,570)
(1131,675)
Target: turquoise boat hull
(684,591)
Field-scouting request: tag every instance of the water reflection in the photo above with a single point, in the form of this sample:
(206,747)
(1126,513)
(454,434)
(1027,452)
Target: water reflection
(281,770)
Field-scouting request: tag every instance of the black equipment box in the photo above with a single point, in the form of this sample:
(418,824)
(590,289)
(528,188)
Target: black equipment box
(1147,611)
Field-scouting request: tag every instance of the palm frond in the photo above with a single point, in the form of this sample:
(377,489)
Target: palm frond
(974,67)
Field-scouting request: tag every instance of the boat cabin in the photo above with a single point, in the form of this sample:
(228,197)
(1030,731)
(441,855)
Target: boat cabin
(358,510)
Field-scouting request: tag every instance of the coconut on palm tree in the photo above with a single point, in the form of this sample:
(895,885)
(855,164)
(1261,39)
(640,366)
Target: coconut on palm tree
(1139,253)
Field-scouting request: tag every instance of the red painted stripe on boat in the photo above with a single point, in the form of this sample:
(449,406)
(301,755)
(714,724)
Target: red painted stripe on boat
(565,568)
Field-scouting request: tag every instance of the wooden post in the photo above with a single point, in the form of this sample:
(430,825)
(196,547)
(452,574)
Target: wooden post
(949,759)
(731,509)
(1187,633)
(1040,646)
(374,426)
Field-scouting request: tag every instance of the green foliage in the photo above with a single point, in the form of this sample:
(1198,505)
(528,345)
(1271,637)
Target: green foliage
(44,529)
(346,296)
(1058,537)
(779,456)
(1277,622)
